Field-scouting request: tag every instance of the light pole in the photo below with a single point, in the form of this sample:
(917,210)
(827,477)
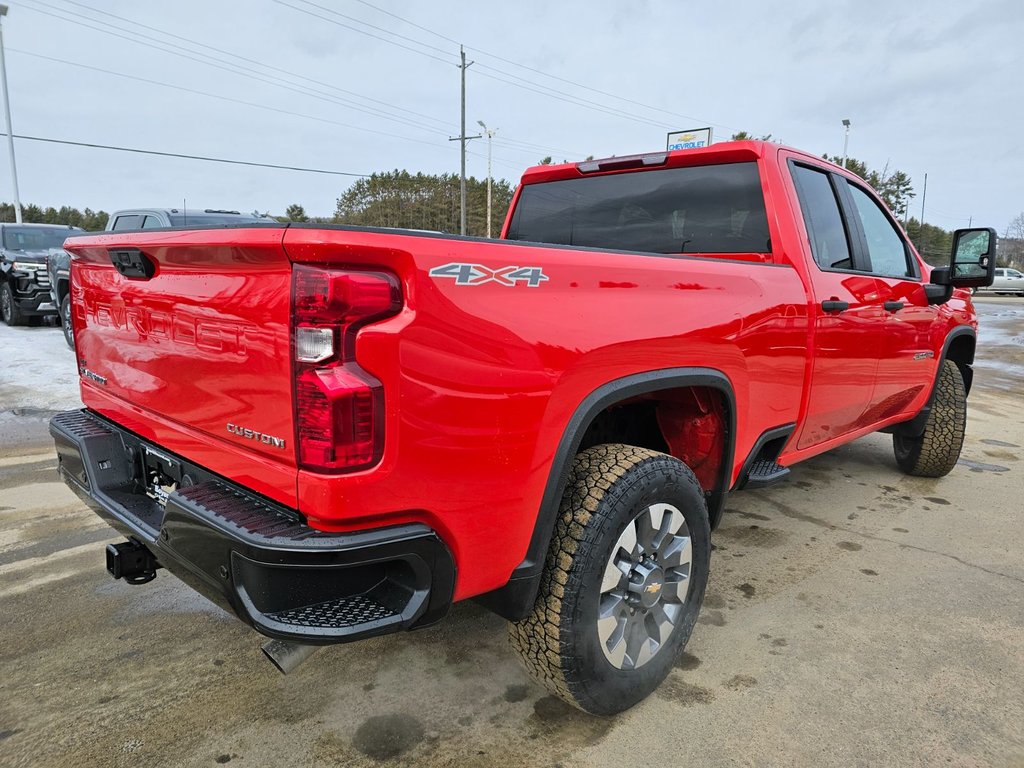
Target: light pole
(7,113)
(846,140)
(489,133)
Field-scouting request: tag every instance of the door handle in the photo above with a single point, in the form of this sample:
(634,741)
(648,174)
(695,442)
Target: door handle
(835,306)
(893,306)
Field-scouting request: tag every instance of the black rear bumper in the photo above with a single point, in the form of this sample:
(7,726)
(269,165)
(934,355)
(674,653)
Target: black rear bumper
(253,556)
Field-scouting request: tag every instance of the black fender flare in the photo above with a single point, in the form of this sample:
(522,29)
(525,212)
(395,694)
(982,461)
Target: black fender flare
(967,370)
(915,426)
(515,600)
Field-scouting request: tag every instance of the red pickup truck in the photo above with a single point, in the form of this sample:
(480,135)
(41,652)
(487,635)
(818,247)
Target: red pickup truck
(337,432)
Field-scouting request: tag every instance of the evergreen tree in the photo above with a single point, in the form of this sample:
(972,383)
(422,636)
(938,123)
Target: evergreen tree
(296,212)
(400,199)
(87,219)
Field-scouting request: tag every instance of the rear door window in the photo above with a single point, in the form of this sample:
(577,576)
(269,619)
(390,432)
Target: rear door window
(830,242)
(128,221)
(705,209)
(152,222)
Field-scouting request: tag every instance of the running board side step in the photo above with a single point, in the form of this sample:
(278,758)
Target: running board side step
(764,473)
(762,468)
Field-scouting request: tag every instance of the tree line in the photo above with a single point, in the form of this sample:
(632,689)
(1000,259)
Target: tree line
(423,201)
(36,214)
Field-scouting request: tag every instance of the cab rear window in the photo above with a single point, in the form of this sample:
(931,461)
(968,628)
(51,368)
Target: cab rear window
(704,209)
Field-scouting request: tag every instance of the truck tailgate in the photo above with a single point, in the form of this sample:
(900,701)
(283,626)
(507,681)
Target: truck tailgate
(185,334)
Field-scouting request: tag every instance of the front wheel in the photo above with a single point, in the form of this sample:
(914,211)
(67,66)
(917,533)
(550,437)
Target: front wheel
(623,581)
(65,320)
(935,452)
(9,309)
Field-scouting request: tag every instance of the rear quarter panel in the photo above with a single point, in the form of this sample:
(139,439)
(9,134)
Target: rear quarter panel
(481,380)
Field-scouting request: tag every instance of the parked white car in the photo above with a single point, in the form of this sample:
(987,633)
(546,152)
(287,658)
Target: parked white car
(1007,280)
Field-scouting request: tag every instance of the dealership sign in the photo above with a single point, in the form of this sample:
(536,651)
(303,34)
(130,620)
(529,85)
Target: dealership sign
(692,139)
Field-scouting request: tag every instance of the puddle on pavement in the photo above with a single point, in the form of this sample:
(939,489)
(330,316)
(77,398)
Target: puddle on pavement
(980,466)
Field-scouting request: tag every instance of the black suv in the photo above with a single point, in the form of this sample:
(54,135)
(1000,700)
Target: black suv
(24,282)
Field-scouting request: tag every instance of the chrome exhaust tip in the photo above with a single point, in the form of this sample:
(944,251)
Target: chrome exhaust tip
(287,656)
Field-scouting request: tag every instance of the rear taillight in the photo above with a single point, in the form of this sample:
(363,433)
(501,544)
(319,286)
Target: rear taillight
(339,407)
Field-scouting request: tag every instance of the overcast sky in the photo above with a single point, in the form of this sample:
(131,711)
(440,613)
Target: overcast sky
(929,86)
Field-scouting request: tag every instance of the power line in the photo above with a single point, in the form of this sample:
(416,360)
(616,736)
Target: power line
(372,26)
(517,168)
(232,100)
(596,90)
(571,99)
(207,60)
(540,71)
(538,88)
(364,32)
(187,157)
(264,65)
(221,97)
(518,145)
(412,23)
(233,68)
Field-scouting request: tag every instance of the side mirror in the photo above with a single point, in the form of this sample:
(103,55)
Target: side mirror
(973,262)
(971,265)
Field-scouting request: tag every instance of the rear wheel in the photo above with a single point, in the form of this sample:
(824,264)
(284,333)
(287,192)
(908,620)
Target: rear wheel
(65,320)
(935,452)
(9,310)
(623,581)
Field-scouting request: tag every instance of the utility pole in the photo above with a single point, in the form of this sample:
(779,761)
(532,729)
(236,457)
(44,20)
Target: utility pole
(490,135)
(846,140)
(924,240)
(924,194)
(462,138)
(7,113)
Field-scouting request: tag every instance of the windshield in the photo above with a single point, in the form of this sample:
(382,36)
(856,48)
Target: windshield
(703,209)
(207,219)
(36,238)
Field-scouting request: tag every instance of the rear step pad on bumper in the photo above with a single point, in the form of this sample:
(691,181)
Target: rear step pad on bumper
(287,580)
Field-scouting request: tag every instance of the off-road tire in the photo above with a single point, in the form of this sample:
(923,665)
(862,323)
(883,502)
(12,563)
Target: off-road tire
(65,320)
(10,313)
(608,486)
(936,451)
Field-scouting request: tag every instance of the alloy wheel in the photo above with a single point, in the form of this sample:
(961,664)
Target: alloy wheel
(645,585)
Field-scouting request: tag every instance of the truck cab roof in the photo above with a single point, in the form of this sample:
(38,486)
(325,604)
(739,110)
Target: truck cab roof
(722,152)
(152,218)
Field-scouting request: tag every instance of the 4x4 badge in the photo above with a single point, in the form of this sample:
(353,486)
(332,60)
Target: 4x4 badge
(478,274)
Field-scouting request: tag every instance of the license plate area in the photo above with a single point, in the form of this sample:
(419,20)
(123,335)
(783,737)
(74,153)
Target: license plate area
(162,474)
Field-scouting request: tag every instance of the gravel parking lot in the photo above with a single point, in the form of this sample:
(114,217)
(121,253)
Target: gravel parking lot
(854,616)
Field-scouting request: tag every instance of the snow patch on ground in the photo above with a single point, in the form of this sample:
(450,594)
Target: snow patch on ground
(37,371)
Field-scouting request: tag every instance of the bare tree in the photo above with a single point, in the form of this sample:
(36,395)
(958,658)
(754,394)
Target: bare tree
(1011,246)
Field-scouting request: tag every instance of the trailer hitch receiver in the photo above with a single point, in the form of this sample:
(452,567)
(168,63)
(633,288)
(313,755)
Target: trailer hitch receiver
(132,561)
